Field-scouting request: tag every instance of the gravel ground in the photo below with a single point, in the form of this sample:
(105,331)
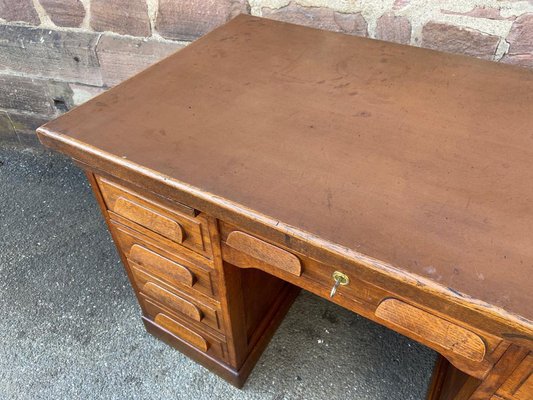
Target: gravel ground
(70,324)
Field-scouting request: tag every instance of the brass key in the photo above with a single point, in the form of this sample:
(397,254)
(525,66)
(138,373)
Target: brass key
(340,280)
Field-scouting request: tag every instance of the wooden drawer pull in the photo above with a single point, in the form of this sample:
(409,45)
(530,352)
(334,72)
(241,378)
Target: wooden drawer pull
(149,219)
(161,266)
(183,332)
(172,301)
(432,328)
(265,252)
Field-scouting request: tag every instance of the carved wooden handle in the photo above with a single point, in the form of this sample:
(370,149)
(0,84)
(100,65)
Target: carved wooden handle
(182,332)
(161,266)
(172,301)
(149,219)
(429,327)
(265,252)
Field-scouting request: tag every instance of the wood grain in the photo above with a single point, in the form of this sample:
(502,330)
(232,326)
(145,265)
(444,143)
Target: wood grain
(264,251)
(501,372)
(172,301)
(183,332)
(519,385)
(204,282)
(148,218)
(158,265)
(150,215)
(431,328)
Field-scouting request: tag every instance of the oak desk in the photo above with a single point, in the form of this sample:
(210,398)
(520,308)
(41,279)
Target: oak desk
(267,157)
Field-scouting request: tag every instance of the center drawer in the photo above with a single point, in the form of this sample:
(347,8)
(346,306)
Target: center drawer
(462,345)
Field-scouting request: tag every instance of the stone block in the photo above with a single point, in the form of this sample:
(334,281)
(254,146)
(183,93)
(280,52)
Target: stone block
(20,127)
(393,28)
(68,13)
(520,40)
(459,40)
(38,96)
(19,11)
(65,56)
(27,123)
(121,58)
(189,19)
(127,17)
(319,17)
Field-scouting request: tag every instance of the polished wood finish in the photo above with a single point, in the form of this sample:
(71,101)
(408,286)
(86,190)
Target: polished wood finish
(449,383)
(501,373)
(161,266)
(149,215)
(472,350)
(186,334)
(164,266)
(184,316)
(265,157)
(167,298)
(519,385)
(264,251)
(429,327)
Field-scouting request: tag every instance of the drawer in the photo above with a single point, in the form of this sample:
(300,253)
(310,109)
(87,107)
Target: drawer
(246,250)
(201,340)
(152,217)
(186,306)
(190,273)
(461,345)
(519,385)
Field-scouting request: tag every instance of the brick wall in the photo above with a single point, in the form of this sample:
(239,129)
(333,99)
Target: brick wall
(55,54)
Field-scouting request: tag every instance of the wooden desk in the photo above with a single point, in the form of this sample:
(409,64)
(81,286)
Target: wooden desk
(266,157)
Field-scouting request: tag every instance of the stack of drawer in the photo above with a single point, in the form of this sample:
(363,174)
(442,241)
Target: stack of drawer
(168,254)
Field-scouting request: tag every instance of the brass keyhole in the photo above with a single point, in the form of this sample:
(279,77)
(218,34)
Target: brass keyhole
(340,280)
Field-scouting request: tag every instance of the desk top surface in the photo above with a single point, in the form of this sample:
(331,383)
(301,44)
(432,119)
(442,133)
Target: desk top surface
(419,159)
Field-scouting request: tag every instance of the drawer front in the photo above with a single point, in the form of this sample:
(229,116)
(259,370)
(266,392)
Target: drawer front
(176,301)
(519,385)
(460,345)
(214,346)
(248,251)
(152,217)
(188,273)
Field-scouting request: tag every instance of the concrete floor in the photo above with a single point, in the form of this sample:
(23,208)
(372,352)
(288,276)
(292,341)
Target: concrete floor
(70,324)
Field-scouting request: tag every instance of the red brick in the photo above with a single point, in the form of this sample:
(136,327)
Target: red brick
(128,17)
(68,13)
(319,17)
(455,39)
(393,28)
(121,58)
(19,10)
(189,19)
